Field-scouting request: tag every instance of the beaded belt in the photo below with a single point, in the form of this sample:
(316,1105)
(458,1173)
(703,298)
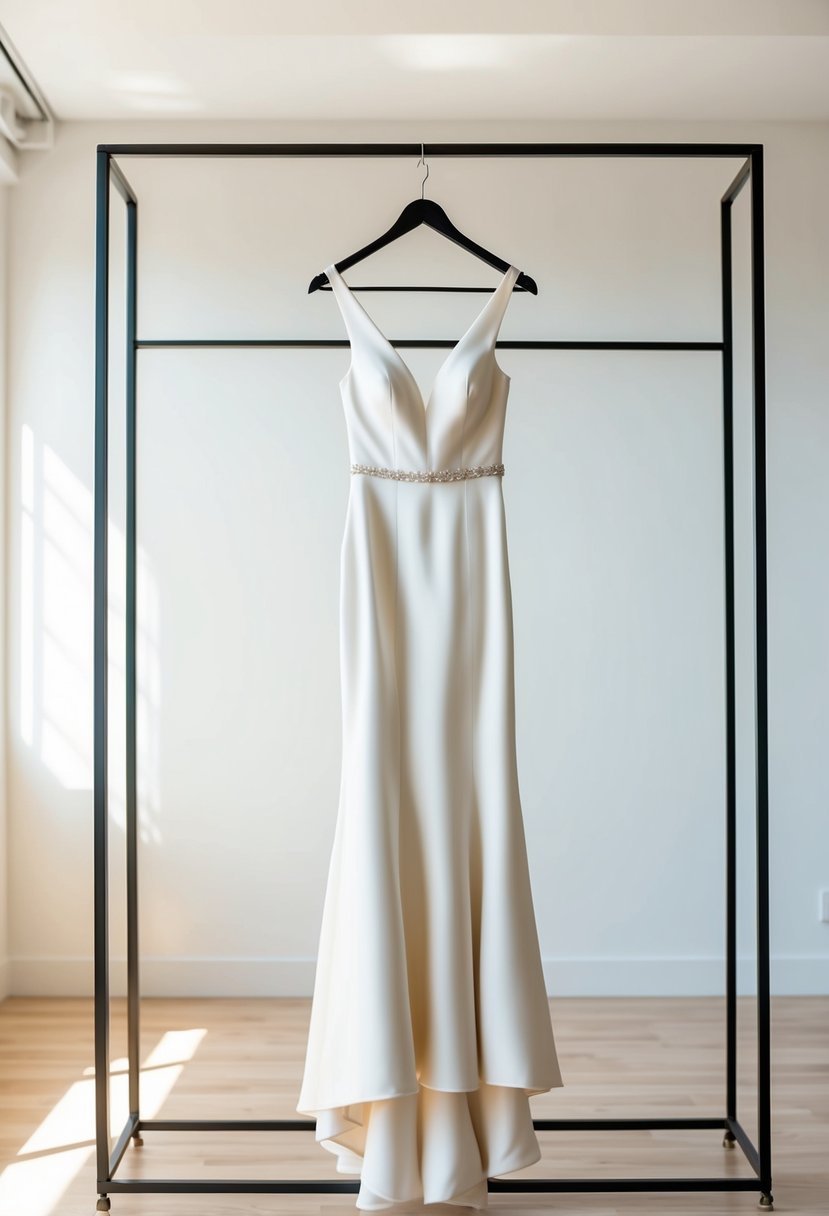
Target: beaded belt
(477,470)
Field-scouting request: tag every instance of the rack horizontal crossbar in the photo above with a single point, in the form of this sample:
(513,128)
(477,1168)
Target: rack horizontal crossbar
(501,344)
(436,149)
(317,1186)
(562,1125)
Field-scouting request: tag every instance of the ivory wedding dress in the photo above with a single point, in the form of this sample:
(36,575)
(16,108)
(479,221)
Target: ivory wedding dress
(430,1025)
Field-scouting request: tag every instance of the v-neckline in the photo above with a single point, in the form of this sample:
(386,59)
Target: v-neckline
(425,404)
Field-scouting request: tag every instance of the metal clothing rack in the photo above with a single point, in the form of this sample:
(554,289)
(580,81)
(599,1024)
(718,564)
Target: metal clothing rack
(109,173)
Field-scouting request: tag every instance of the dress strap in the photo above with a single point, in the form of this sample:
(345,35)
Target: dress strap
(494,311)
(336,287)
(352,315)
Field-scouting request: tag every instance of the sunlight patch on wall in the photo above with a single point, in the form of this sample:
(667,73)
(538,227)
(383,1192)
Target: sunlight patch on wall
(56,602)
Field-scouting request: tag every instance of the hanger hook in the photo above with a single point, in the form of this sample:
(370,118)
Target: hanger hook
(422,161)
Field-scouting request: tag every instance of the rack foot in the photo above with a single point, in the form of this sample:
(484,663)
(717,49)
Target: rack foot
(729,1140)
(103,1204)
(137,1140)
(766,1201)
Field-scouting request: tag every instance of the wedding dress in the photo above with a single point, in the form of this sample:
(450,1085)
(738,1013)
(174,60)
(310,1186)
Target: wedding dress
(430,1023)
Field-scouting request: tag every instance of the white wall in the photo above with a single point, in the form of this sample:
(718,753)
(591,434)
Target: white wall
(613,489)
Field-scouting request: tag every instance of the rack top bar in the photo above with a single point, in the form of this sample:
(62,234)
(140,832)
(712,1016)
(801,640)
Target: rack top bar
(432,149)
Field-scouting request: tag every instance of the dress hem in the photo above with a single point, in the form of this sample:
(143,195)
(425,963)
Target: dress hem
(341,1129)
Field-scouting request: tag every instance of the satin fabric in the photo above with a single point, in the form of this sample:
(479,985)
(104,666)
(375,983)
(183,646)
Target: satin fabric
(430,1023)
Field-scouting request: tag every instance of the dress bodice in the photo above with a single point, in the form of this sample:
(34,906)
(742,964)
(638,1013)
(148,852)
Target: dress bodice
(390,425)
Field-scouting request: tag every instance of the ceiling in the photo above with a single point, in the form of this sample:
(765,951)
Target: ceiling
(470,59)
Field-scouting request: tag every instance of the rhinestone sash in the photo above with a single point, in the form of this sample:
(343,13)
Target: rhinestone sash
(459,474)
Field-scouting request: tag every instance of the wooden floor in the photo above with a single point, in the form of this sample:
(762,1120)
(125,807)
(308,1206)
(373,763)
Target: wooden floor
(208,1059)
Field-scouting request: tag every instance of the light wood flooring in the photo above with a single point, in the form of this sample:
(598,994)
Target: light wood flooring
(242,1058)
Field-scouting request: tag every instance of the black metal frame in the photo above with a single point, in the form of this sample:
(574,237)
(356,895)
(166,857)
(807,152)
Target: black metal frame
(108,1156)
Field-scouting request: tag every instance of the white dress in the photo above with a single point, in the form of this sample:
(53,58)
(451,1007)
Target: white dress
(430,1023)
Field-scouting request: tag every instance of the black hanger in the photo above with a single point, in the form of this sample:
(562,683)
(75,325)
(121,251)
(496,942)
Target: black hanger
(424,211)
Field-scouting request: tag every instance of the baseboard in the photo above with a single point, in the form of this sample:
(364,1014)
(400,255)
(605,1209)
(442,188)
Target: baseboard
(279,977)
